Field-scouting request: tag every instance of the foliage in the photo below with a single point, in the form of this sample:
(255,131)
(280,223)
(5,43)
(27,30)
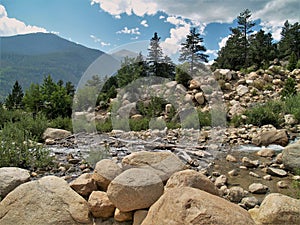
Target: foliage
(14,99)
(138,125)
(61,123)
(153,108)
(182,76)
(191,51)
(155,55)
(105,126)
(292,62)
(289,88)
(290,40)
(19,149)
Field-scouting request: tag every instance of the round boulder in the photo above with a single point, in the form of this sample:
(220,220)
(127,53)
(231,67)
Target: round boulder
(135,189)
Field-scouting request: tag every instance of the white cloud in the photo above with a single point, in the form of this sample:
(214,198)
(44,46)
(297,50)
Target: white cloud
(175,20)
(162,17)
(125,30)
(144,23)
(96,40)
(103,44)
(117,17)
(212,52)
(177,35)
(134,38)
(223,41)
(138,7)
(11,26)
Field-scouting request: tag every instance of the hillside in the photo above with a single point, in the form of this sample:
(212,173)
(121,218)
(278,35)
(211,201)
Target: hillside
(29,58)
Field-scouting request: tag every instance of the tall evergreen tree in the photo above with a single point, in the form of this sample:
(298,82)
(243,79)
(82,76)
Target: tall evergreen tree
(262,50)
(245,25)
(14,99)
(290,40)
(155,55)
(191,50)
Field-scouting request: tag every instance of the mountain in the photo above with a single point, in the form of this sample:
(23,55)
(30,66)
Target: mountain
(29,58)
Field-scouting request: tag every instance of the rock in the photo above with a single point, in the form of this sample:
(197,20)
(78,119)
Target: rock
(139,217)
(235,194)
(188,98)
(233,172)
(49,200)
(249,163)
(10,178)
(194,84)
(282,184)
(231,158)
(291,156)
(258,188)
(249,202)
(200,98)
(220,181)
(186,205)
(162,163)
(105,171)
(100,205)
(191,178)
(242,90)
(127,110)
(271,137)
(224,74)
(236,109)
(267,177)
(137,117)
(278,158)
(84,184)
(266,152)
(290,119)
(123,216)
(254,174)
(135,189)
(55,134)
(168,108)
(277,209)
(276,172)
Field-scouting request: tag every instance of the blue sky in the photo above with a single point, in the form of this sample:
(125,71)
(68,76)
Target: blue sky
(115,24)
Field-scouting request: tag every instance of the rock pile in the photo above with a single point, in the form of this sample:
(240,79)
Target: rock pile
(145,188)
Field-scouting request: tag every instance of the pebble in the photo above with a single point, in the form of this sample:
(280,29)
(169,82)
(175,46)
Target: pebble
(254,174)
(282,184)
(233,172)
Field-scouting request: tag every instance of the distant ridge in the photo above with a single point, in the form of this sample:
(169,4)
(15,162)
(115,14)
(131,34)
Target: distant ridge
(29,58)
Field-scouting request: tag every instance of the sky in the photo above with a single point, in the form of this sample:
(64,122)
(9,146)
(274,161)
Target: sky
(112,25)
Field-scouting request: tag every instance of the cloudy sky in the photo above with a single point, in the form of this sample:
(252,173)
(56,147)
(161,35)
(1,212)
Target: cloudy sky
(116,24)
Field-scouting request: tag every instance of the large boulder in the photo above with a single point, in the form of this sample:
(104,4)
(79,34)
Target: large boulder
(10,178)
(266,138)
(191,178)
(135,189)
(291,156)
(49,200)
(277,209)
(105,171)
(186,205)
(162,163)
(55,134)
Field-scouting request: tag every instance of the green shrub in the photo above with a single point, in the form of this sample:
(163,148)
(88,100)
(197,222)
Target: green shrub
(104,127)
(61,123)
(298,64)
(292,106)
(269,113)
(138,125)
(17,149)
(292,62)
(289,88)
(236,120)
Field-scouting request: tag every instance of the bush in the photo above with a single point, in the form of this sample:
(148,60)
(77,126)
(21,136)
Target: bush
(269,113)
(289,88)
(17,149)
(104,127)
(138,125)
(292,62)
(62,123)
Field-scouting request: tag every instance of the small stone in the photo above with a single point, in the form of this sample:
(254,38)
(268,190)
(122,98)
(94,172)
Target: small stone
(254,174)
(297,177)
(258,188)
(265,152)
(84,184)
(267,177)
(250,202)
(235,194)
(231,158)
(250,163)
(123,216)
(276,172)
(233,172)
(282,184)
(220,181)
(243,167)
(139,217)
(74,161)
(278,158)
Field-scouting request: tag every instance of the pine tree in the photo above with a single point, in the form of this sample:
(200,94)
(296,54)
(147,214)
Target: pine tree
(292,62)
(14,100)
(191,50)
(155,55)
(290,40)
